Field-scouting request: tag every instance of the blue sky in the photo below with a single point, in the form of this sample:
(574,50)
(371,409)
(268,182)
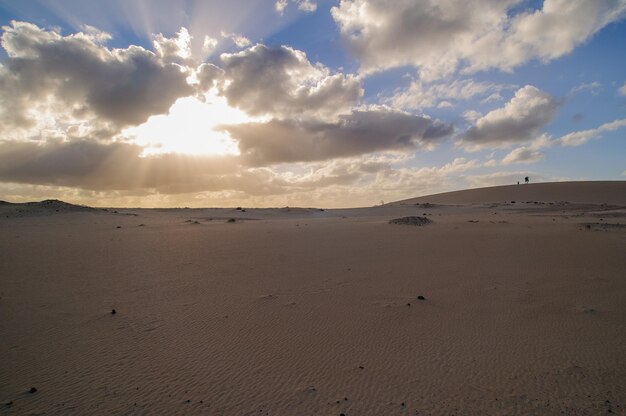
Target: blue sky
(302,102)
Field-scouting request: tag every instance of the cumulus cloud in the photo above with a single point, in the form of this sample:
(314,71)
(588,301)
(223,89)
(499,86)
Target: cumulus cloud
(420,94)
(280,81)
(622,89)
(441,37)
(523,155)
(208,76)
(119,86)
(360,132)
(520,120)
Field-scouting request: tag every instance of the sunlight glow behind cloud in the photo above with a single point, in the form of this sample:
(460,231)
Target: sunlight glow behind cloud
(190,127)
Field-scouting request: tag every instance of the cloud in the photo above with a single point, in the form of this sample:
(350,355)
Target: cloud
(114,166)
(578,138)
(520,120)
(280,81)
(360,132)
(208,76)
(87,79)
(238,39)
(177,49)
(591,87)
(622,89)
(523,155)
(307,6)
(420,94)
(441,37)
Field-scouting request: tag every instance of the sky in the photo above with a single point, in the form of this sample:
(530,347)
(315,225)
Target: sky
(138,103)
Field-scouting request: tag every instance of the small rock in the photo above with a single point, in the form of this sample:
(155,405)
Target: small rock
(32,390)
(361,367)
(420,297)
(408,304)
(113,311)
(119,226)
(9,403)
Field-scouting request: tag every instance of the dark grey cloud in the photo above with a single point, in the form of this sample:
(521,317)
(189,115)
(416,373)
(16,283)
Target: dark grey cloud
(280,81)
(121,86)
(361,132)
(88,164)
(520,120)
(209,76)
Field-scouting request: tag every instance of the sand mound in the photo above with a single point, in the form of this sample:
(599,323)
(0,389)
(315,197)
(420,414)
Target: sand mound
(46,207)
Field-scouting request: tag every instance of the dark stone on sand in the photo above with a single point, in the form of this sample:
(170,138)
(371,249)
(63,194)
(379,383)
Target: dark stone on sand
(403,404)
(420,297)
(32,390)
(412,220)
(361,367)
(342,414)
(9,403)
(408,304)
(113,311)
(231,220)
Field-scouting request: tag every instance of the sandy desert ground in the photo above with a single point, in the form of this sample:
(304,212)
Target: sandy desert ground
(294,311)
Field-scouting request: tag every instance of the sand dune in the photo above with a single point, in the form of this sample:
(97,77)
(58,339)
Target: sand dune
(607,192)
(309,312)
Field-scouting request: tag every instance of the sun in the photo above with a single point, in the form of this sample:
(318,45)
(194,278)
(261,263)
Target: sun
(190,127)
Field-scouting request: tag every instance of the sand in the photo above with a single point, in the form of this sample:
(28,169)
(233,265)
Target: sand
(308,312)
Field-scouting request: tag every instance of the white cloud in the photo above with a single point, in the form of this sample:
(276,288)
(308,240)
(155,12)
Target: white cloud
(523,155)
(581,137)
(441,37)
(209,45)
(177,49)
(520,120)
(421,94)
(280,6)
(307,6)
(591,87)
(622,89)
(239,40)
